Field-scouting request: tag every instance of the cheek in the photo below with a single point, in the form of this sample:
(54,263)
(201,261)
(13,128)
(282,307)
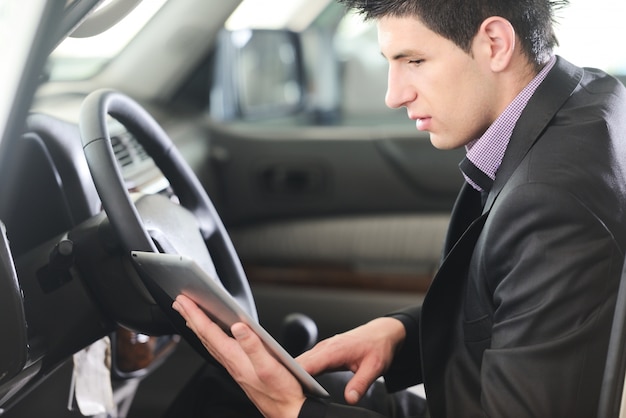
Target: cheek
(461,104)
(470,110)
(461,120)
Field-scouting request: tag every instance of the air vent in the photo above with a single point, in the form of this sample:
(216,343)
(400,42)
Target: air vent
(136,167)
(128,150)
(121,150)
(140,152)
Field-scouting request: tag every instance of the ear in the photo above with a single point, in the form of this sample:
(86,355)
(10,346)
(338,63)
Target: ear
(498,42)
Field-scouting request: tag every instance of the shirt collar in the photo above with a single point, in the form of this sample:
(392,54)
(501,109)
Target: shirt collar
(486,153)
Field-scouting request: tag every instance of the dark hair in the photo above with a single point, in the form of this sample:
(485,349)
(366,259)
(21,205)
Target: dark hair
(459,20)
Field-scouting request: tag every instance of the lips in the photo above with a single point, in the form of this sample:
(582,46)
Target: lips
(423,123)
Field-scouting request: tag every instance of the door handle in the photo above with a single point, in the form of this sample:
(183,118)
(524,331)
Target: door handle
(288,179)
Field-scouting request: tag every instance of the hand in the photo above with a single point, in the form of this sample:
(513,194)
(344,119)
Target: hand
(367,351)
(269,385)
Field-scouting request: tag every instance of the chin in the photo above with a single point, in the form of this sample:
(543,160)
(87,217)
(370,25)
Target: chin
(442,143)
(447,143)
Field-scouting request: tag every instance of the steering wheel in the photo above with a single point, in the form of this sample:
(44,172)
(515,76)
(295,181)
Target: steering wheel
(154,222)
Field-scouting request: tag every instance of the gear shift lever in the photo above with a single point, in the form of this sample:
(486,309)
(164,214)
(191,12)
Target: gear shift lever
(298,333)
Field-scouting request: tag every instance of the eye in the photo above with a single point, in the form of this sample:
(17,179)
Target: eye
(416,62)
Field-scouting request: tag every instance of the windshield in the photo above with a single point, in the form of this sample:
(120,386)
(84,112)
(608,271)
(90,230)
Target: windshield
(588,32)
(81,58)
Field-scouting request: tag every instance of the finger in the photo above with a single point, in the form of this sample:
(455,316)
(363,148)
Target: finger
(325,356)
(196,319)
(263,362)
(307,361)
(271,378)
(248,340)
(313,362)
(210,334)
(182,304)
(363,378)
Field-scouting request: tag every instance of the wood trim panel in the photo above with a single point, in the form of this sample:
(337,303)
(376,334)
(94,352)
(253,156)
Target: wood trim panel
(134,354)
(337,277)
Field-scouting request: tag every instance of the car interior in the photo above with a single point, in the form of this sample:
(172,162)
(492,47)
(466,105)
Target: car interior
(262,149)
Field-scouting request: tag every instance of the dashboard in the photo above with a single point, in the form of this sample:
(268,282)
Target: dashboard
(47,191)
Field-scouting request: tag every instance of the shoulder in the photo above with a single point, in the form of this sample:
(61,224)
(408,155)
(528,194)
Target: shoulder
(597,93)
(581,150)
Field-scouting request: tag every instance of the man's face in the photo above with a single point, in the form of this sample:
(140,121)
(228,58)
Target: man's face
(448,93)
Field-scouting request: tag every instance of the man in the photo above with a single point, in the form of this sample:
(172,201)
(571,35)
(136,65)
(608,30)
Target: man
(516,322)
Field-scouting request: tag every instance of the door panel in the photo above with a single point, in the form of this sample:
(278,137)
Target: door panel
(266,174)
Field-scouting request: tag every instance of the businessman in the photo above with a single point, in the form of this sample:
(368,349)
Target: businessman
(517,320)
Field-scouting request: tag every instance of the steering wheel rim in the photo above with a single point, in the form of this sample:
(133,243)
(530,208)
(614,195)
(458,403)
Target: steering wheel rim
(117,202)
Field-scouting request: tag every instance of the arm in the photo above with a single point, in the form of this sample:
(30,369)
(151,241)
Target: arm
(270,386)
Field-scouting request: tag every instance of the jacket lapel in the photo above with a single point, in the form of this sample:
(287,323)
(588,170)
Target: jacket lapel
(466,208)
(442,310)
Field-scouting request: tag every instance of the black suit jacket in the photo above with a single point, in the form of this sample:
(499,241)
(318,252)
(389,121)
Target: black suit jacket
(516,322)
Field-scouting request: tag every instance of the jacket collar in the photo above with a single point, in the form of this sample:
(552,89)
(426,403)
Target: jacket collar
(549,97)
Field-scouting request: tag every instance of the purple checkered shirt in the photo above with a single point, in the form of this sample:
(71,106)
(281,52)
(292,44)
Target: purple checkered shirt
(487,152)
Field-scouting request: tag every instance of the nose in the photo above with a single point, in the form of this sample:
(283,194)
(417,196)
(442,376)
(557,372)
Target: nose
(399,92)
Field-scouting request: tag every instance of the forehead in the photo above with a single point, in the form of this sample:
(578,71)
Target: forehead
(397,35)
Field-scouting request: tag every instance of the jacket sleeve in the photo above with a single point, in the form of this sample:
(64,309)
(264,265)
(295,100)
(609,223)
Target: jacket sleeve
(406,369)
(316,408)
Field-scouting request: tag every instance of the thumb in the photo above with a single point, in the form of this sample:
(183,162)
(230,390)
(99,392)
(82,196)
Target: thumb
(360,383)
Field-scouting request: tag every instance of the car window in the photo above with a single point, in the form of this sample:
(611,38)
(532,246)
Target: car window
(589,35)
(364,74)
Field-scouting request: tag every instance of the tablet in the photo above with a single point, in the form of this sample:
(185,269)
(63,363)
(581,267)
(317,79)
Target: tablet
(176,275)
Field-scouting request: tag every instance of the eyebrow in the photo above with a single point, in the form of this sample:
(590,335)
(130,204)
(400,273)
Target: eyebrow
(401,55)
